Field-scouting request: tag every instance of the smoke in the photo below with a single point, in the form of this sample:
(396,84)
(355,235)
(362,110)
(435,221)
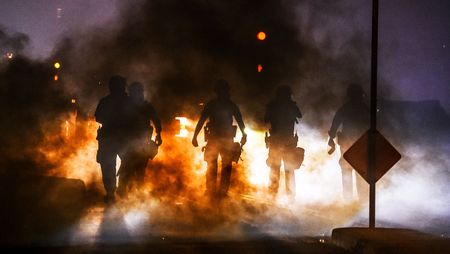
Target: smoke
(178,49)
(12,43)
(30,102)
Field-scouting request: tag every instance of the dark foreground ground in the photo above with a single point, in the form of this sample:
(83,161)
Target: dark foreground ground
(57,215)
(267,245)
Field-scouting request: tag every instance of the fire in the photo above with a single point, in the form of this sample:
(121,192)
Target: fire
(184,122)
(67,129)
(316,179)
(174,186)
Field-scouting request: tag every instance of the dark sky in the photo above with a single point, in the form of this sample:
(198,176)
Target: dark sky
(414,38)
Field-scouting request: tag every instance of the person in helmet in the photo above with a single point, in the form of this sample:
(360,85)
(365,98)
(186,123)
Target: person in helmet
(111,136)
(352,119)
(220,134)
(282,114)
(140,117)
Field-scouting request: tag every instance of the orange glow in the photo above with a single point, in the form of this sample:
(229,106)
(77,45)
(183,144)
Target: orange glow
(55,77)
(260,68)
(67,129)
(183,130)
(73,101)
(261,36)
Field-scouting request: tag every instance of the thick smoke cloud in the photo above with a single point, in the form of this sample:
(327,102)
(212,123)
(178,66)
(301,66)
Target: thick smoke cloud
(30,102)
(10,43)
(178,49)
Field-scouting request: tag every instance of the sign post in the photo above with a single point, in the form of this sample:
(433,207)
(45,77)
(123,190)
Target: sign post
(372,155)
(373,114)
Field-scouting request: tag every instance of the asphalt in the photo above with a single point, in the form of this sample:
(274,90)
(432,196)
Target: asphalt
(51,215)
(389,240)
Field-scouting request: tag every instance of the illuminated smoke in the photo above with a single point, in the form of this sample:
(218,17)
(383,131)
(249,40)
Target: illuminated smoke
(178,49)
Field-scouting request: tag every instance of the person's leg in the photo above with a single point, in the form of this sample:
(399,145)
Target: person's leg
(362,188)
(274,162)
(140,172)
(211,177)
(109,178)
(290,182)
(225,177)
(126,173)
(347,179)
(106,157)
(211,155)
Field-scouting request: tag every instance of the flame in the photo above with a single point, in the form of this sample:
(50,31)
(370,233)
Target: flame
(175,181)
(67,129)
(184,122)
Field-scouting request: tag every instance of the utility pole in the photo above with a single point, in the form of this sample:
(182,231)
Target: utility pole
(373,114)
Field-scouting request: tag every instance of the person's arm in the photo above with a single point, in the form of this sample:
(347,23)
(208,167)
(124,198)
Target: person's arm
(99,113)
(238,116)
(200,124)
(298,113)
(157,123)
(337,121)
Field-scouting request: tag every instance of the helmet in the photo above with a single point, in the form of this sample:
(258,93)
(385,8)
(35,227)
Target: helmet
(283,92)
(136,87)
(117,84)
(136,90)
(222,88)
(355,91)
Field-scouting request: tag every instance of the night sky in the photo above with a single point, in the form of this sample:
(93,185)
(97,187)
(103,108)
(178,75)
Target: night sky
(414,38)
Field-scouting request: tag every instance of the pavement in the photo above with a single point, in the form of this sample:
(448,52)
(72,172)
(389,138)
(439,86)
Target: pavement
(389,240)
(58,215)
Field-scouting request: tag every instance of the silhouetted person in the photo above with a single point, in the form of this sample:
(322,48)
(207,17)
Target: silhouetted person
(110,113)
(220,135)
(282,113)
(140,115)
(353,119)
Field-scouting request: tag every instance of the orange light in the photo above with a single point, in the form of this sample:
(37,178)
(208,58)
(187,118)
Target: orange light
(56,77)
(261,36)
(260,68)
(73,101)
(183,130)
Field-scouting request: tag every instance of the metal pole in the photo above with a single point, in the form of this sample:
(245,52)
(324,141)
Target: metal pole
(373,113)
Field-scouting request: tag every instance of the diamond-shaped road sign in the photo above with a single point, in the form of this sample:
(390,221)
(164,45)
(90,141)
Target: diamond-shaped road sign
(385,156)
